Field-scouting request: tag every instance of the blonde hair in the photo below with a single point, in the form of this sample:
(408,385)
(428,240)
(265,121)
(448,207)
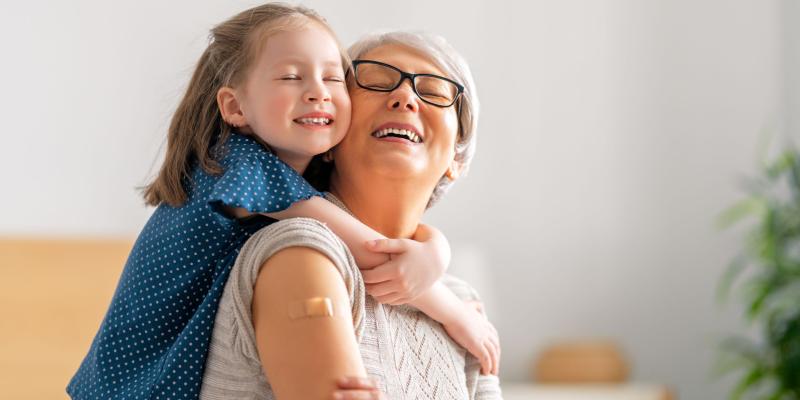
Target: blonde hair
(197,130)
(444,56)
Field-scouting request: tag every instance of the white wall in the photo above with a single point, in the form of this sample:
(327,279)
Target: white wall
(790,30)
(612,133)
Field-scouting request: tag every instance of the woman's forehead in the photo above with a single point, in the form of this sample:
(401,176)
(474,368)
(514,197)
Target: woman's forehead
(406,58)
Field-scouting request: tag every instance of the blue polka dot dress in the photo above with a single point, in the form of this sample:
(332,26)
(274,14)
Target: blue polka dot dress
(153,341)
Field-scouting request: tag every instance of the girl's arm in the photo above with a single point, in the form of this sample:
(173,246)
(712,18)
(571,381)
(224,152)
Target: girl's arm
(352,231)
(464,323)
(303,351)
(399,269)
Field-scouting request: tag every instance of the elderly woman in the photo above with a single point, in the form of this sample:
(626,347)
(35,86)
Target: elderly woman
(294,316)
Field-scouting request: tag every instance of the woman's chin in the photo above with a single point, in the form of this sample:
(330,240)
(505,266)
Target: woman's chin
(399,166)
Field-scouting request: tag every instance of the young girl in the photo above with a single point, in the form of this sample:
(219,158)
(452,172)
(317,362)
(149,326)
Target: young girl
(267,95)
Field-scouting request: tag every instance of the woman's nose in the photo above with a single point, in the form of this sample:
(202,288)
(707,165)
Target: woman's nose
(317,93)
(403,98)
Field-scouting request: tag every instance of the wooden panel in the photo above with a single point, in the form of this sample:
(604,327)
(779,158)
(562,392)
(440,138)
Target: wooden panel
(53,296)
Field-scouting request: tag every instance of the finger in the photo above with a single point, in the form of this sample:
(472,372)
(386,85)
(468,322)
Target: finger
(485,360)
(493,336)
(496,343)
(490,358)
(495,357)
(356,382)
(381,289)
(388,245)
(382,273)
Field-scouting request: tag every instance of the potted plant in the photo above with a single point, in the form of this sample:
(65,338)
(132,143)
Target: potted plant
(766,278)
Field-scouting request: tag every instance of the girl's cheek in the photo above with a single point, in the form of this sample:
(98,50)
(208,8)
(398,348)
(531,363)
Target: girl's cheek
(278,101)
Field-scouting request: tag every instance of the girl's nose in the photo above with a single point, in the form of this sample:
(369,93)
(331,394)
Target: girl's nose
(318,93)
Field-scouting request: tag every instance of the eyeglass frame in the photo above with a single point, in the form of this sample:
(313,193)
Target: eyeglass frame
(403,76)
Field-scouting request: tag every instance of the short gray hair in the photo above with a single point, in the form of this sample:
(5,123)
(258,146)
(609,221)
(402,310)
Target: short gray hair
(446,58)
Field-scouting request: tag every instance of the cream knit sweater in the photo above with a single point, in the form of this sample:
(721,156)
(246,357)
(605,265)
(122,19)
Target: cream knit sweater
(409,354)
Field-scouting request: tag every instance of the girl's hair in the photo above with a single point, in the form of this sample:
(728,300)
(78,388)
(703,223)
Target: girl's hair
(197,129)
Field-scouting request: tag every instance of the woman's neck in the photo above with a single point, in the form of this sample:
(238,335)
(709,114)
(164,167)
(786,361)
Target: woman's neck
(392,208)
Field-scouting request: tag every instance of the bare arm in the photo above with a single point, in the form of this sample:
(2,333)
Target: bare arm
(465,324)
(439,303)
(303,357)
(353,232)
(415,264)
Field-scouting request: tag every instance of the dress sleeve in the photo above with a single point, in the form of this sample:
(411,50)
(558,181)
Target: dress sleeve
(259,183)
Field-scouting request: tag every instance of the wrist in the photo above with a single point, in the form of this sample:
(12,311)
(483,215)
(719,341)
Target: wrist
(439,303)
(456,316)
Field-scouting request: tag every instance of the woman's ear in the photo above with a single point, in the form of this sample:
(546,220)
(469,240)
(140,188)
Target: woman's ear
(453,171)
(230,108)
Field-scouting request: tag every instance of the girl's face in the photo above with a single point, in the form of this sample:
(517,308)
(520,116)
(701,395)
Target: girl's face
(295,98)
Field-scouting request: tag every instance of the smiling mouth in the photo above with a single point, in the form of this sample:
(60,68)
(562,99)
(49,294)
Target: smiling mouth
(314,121)
(398,133)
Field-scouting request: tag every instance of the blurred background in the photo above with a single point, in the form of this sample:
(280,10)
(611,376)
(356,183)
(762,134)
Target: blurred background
(612,133)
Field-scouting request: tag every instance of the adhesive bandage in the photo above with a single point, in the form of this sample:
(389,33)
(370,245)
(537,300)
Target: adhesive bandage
(314,307)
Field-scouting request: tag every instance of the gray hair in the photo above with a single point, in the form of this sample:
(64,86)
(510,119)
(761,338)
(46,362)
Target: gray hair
(445,57)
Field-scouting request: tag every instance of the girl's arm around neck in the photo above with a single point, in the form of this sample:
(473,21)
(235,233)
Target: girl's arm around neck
(352,231)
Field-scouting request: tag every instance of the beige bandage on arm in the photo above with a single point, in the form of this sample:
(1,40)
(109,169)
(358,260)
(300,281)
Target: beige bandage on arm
(314,307)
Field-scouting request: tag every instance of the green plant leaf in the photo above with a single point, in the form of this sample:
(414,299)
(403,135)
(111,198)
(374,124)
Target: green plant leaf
(781,165)
(752,206)
(771,291)
(736,267)
(748,381)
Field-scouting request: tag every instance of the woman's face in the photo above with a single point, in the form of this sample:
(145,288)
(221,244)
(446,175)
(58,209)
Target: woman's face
(376,113)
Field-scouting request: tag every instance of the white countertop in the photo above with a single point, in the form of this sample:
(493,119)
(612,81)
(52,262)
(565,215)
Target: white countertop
(627,391)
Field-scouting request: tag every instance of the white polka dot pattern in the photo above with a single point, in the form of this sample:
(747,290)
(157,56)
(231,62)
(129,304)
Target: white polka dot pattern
(153,341)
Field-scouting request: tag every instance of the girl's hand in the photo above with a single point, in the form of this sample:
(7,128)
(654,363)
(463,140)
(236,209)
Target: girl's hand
(357,388)
(470,328)
(413,268)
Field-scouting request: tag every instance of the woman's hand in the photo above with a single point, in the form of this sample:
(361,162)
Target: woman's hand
(413,267)
(357,388)
(470,328)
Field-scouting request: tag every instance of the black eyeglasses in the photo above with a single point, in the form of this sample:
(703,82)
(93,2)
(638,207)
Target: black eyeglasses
(381,77)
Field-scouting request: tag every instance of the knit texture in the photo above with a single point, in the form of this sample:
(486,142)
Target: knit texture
(406,352)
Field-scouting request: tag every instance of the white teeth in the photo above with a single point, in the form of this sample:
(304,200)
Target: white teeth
(314,121)
(404,132)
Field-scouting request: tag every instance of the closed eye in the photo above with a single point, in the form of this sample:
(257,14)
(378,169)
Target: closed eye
(434,94)
(290,78)
(334,79)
